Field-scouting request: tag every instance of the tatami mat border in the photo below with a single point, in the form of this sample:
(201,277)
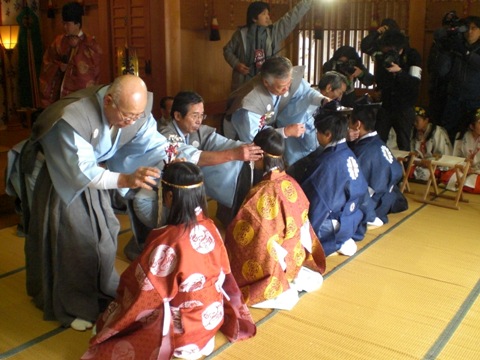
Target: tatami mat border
(326,276)
(449,331)
(9,273)
(32,342)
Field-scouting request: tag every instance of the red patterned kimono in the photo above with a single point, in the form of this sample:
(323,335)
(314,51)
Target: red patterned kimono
(82,54)
(273,220)
(173,299)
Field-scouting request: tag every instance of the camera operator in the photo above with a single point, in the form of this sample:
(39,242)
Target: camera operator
(438,65)
(398,75)
(463,68)
(370,43)
(346,61)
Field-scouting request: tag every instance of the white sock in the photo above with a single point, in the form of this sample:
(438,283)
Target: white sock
(348,248)
(81,325)
(375,223)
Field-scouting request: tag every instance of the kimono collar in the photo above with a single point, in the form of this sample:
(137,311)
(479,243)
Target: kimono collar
(180,132)
(335,143)
(370,134)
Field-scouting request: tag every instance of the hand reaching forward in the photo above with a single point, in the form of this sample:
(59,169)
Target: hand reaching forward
(248,152)
(143,177)
(295,130)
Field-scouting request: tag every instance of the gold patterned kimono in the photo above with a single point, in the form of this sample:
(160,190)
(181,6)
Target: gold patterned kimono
(270,239)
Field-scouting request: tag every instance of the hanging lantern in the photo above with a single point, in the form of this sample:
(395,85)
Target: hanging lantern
(50,10)
(214,30)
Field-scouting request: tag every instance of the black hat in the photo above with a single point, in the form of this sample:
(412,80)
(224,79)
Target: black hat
(365,101)
(331,108)
(335,106)
(72,11)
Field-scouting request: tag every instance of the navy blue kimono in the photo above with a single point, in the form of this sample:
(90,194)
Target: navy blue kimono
(382,172)
(336,188)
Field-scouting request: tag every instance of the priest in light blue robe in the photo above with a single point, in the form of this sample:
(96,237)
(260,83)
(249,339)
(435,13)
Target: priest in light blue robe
(83,148)
(279,97)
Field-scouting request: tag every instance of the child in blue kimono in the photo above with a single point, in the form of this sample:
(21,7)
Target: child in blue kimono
(336,187)
(377,163)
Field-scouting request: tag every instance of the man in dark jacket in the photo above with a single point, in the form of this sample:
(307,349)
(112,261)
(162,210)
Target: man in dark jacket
(398,76)
(463,67)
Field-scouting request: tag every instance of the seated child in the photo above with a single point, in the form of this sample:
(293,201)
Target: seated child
(428,141)
(270,241)
(467,145)
(336,187)
(179,291)
(380,168)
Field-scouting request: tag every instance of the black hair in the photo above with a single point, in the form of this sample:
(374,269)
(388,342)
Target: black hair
(182,102)
(472,20)
(332,78)
(367,115)
(469,119)
(163,101)
(391,23)
(254,9)
(272,143)
(347,51)
(334,122)
(393,39)
(185,200)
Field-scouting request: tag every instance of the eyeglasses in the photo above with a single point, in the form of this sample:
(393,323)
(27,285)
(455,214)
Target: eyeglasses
(198,116)
(128,117)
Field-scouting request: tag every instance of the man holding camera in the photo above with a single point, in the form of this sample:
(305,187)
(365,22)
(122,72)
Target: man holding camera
(346,61)
(398,75)
(462,67)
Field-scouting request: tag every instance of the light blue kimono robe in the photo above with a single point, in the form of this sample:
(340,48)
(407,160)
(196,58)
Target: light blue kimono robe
(220,180)
(71,228)
(252,106)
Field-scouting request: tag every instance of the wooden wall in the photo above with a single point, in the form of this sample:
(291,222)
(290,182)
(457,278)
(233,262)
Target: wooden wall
(183,58)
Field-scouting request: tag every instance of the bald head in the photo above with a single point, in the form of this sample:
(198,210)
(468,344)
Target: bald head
(128,95)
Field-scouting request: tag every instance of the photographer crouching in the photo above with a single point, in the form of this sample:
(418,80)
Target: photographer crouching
(462,66)
(346,61)
(398,75)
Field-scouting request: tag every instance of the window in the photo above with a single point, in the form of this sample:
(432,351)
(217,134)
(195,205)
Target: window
(331,24)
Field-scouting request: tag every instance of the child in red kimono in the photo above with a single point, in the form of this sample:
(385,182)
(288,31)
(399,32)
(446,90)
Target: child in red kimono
(179,292)
(273,250)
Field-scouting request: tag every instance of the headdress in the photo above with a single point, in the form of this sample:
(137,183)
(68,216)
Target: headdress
(332,107)
(72,11)
(419,111)
(365,101)
(271,155)
(191,186)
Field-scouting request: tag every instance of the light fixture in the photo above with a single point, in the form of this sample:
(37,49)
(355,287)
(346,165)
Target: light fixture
(9,36)
(8,40)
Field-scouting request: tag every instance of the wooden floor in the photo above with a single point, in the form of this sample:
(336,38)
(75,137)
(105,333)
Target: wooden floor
(411,292)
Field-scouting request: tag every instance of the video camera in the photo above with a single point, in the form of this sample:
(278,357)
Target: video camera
(455,25)
(345,67)
(390,57)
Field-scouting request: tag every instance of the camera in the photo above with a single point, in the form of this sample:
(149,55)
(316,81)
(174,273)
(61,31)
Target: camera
(390,57)
(455,25)
(345,67)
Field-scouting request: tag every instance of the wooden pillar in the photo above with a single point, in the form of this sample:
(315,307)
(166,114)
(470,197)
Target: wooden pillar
(416,24)
(173,46)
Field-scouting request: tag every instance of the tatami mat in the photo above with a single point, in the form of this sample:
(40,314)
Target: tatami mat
(411,292)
